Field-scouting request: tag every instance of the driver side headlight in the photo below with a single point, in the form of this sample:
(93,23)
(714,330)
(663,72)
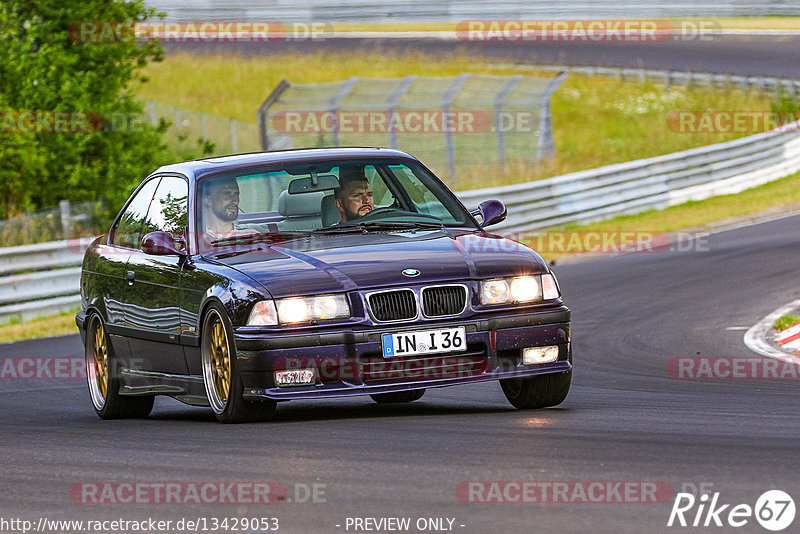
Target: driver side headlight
(294,310)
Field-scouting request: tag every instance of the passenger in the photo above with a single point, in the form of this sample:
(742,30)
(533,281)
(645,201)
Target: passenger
(353,197)
(221,209)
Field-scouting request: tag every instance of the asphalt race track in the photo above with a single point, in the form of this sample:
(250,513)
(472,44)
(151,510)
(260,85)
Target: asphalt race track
(625,419)
(751,55)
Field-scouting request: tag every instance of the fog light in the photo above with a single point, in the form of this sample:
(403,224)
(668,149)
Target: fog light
(534,355)
(295,377)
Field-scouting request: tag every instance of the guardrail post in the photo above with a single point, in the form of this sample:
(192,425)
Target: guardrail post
(447,99)
(498,110)
(545,147)
(391,102)
(234,141)
(66,218)
(263,113)
(333,106)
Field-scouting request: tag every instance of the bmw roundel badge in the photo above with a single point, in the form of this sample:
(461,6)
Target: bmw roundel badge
(411,273)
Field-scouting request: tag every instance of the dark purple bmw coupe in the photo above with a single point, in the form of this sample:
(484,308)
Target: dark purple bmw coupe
(240,281)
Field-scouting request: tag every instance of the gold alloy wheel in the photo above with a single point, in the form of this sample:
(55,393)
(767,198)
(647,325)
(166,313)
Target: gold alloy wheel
(97,363)
(101,360)
(220,360)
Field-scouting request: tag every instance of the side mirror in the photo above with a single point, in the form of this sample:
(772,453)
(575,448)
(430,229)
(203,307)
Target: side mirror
(491,211)
(162,244)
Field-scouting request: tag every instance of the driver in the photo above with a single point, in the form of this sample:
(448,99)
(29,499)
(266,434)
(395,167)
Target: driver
(353,197)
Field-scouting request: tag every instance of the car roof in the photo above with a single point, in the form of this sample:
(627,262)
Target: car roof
(199,167)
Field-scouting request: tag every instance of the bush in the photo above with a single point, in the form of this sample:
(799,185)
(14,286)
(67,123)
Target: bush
(45,69)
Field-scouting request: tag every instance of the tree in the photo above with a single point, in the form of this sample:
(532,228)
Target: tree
(49,70)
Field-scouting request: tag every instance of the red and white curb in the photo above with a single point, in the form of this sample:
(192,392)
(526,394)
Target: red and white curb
(789,338)
(756,338)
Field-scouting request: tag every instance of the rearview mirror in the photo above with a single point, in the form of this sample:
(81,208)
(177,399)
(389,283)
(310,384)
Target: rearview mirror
(491,211)
(324,182)
(162,244)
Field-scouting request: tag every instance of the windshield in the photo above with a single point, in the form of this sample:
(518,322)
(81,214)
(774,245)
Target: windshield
(324,197)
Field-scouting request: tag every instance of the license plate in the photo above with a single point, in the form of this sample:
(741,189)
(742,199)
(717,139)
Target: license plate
(295,377)
(424,342)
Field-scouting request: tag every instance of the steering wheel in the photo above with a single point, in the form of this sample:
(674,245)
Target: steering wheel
(377,213)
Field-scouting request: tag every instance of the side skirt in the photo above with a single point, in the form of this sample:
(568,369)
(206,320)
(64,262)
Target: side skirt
(187,389)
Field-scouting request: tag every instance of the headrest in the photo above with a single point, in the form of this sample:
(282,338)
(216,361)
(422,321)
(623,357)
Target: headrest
(300,204)
(330,213)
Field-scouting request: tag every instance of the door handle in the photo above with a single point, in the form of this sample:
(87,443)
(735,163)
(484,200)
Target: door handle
(130,276)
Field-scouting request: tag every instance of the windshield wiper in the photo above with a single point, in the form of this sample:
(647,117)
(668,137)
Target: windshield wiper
(365,227)
(258,237)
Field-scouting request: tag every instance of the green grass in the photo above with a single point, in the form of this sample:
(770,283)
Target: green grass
(786,321)
(596,121)
(53,325)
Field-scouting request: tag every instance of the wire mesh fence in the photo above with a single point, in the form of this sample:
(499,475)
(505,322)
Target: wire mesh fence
(192,130)
(66,221)
(465,125)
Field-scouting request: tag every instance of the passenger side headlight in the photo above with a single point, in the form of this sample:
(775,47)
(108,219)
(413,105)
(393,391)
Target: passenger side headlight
(316,308)
(518,289)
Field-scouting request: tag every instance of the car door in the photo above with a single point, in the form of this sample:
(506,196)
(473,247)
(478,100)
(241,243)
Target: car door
(152,297)
(109,276)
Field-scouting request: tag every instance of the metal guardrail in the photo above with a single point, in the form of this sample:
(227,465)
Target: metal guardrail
(39,279)
(652,183)
(674,77)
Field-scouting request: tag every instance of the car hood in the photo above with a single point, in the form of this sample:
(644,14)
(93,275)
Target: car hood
(331,263)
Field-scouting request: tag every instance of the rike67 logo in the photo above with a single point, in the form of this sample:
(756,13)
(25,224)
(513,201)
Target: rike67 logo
(774,510)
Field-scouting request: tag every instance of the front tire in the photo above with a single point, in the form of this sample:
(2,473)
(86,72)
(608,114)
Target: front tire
(102,374)
(540,391)
(221,375)
(398,396)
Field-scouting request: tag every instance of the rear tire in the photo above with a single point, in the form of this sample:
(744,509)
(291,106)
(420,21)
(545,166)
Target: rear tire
(103,377)
(537,391)
(221,374)
(398,396)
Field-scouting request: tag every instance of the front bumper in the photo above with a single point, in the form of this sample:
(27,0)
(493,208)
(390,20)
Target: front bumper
(351,363)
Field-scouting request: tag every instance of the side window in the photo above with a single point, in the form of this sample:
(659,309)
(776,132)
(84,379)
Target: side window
(128,232)
(169,209)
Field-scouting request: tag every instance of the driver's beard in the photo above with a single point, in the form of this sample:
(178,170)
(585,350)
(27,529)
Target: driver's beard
(223,215)
(350,215)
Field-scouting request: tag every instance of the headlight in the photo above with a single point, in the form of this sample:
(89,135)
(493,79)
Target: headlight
(299,310)
(525,288)
(519,289)
(321,307)
(495,292)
